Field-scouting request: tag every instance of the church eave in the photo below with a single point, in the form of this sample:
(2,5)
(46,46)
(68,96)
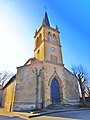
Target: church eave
(46,27)
(69,72)
(38,32)
(32,59)
(9,82)
(29,60)
(52,29)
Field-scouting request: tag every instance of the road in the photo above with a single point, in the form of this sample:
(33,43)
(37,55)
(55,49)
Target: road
(73,115)
(11,118)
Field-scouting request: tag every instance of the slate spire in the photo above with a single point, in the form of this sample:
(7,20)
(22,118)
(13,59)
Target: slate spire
(46,20)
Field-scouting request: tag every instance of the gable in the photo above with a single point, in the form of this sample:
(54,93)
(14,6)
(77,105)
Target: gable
(32,61)
(69,73)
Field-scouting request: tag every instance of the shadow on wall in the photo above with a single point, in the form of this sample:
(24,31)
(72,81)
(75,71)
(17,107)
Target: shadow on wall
(1,95)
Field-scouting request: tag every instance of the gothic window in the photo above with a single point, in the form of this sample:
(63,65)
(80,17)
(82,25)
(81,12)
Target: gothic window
(38,51)
(53,49)
(53,58)
(49,36)
(54,37)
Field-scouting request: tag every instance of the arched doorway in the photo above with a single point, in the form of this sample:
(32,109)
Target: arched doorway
(55,92)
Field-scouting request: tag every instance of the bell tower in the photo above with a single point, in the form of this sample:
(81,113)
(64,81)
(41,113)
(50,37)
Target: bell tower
(47,43)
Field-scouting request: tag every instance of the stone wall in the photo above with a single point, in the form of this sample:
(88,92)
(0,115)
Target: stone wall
(52,71)
(71,87)
(25,95)
(8,96)
(69,92)
(1,97)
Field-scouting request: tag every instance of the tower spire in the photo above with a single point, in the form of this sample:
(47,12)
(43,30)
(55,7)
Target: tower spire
(46,20)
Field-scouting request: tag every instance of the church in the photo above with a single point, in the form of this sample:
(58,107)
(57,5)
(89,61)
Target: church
(43,80)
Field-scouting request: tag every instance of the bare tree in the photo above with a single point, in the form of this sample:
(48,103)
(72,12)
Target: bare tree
(88,91)
(82,75)
(4,76)
(37,74)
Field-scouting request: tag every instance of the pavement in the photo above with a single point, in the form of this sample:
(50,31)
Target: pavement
(38,113)
(46,112)
(4,112)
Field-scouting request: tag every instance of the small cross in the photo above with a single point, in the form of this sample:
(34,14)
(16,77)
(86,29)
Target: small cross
(45,8)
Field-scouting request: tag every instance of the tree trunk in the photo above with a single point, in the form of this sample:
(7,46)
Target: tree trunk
(84,100)
(83,94)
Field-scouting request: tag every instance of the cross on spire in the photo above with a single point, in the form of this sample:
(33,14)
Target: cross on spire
(46,20)
(45,8)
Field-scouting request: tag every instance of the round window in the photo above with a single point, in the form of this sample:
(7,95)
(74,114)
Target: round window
(53,49)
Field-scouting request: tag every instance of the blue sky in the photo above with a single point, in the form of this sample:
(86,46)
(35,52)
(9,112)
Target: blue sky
(20,18)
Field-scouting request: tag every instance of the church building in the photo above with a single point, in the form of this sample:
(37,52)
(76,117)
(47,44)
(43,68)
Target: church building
(43,80)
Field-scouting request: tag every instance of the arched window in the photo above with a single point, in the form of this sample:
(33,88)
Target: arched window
(49,36)
(38,51)
(55,92)
(54,37)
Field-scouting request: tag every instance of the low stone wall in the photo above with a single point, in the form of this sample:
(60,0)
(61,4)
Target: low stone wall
(25,106)
(87,99)
(73,102)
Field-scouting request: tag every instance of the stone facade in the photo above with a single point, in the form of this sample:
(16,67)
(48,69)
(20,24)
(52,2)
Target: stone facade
(25,96)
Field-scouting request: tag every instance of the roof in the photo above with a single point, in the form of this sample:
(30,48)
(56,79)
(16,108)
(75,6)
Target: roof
(9,81)
(46,20)
(69,72)
(30,59)
(29,62)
